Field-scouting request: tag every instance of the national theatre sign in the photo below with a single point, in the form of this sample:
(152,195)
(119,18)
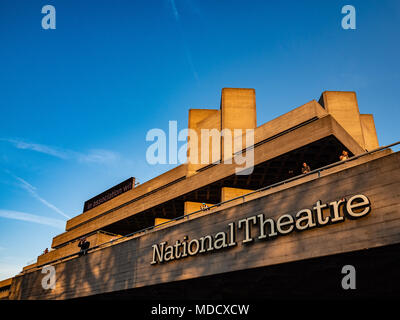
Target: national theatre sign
(356,207)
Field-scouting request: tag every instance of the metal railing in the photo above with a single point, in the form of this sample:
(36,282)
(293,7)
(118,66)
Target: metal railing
(315,171)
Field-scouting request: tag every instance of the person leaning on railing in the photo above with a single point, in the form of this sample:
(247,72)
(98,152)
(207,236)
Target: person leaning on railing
(84,245)
(305,168)
(344,155)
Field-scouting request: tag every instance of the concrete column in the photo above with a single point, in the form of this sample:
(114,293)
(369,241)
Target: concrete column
(209,120)
(369,131)
(238,111)
(343,107)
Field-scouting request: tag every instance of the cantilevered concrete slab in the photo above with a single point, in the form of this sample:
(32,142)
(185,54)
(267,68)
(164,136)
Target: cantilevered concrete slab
(270,130)
(282,144)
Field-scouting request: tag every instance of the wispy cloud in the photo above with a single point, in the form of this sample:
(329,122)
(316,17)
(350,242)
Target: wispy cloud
(174,10)
(186,47)
(190,61)
(19,144)
(99,156)
(23,216)
(32,190)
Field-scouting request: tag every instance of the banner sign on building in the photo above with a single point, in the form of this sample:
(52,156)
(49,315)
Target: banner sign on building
(109,194)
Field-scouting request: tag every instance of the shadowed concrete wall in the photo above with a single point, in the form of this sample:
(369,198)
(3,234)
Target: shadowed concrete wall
(127,265)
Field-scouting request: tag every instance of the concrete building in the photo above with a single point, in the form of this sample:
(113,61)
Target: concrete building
(206,230)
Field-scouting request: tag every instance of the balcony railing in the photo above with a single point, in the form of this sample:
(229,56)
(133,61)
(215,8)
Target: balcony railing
(313,172)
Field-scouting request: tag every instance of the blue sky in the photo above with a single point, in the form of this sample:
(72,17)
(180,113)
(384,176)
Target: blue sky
(76,102)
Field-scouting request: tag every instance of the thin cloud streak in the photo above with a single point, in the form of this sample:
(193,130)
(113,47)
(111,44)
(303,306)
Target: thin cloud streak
(186,48)
(189,58)
(23,216)
(100,156)
(174,10)
(97,156)
(19,144)
(32,190)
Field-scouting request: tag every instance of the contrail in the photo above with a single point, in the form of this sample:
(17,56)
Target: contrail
(32,190)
